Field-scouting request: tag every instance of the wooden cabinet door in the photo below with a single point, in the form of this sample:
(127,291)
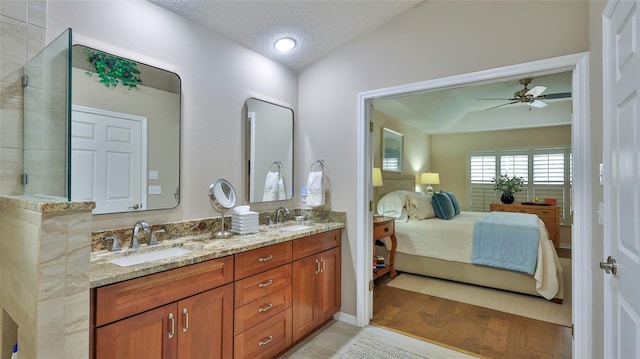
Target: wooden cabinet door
(147,335)
(316,291)
(329,286)
(205,325)
(305,295)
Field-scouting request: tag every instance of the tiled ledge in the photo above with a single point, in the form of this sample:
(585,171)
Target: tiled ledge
(47,204)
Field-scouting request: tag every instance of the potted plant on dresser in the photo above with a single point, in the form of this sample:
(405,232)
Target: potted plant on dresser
(508,186)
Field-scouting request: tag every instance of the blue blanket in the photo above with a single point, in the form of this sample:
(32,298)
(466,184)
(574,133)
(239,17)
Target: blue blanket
(507,240)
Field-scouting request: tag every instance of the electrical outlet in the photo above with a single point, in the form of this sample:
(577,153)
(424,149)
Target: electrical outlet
(153,175)
(155,189)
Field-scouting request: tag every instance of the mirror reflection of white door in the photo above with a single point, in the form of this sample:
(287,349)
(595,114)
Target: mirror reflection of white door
(109,152)
(621,25)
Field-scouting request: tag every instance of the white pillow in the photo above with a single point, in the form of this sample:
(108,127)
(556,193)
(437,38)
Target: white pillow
(419,205)
(393,205)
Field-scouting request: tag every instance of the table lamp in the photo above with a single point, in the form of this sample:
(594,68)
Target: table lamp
(429,178)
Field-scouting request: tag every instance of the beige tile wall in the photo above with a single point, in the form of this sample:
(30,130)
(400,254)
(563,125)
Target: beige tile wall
(45,279)
(22,36)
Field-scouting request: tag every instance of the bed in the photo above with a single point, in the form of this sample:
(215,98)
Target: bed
(431,246)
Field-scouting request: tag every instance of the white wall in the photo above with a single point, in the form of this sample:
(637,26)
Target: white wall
(435,39)
(217,75)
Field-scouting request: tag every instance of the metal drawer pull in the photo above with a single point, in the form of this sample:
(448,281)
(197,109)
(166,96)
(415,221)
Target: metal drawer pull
(386,229)
(172,331)
(185,314)
(264,259)
(317,266)
(265,308)
(265,284)
(266,340)
(324,266)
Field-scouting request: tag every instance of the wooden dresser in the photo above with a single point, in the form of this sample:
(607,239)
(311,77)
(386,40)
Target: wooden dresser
(550,215)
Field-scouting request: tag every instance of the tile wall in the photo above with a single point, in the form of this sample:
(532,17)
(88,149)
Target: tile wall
(22,36)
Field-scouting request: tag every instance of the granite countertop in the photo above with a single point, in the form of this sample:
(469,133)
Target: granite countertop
(203,248)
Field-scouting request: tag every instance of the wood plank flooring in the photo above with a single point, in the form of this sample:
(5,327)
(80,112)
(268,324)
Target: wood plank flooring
(477,330)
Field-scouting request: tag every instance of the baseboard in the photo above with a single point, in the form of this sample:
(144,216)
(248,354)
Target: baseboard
(346,318)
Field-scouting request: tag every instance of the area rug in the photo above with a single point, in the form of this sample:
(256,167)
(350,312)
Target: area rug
(519,304)
(369,348)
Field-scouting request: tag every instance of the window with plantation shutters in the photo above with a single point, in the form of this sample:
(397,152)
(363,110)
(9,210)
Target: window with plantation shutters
(546,173)
(482,170)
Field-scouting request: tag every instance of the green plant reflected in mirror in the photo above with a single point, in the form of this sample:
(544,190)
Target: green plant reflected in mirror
(113,70)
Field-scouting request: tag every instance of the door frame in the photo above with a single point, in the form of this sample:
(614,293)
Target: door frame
(581,188)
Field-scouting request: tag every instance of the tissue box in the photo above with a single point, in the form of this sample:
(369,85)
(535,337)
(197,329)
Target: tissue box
(244,221)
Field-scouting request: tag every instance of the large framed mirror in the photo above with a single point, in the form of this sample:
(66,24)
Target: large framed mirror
(125,133)
(269,151)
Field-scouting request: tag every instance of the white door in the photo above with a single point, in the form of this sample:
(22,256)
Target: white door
(621,25)
(108,159)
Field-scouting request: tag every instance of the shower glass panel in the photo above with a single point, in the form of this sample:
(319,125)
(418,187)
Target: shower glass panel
(47,105)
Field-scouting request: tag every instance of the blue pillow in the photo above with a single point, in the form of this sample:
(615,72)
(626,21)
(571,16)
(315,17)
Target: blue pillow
(454,201)
(443,206)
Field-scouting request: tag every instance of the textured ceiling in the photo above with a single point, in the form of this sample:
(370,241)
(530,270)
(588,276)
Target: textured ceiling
(319,27)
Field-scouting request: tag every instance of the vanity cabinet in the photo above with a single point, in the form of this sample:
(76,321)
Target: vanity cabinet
(316,281)
(262,316)
(180,313)
(254,304)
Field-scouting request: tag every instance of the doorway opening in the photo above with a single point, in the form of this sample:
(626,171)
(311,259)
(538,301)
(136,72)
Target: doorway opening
(580,129)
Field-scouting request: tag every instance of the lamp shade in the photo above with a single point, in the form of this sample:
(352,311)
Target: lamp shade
(377,177)
(430,178)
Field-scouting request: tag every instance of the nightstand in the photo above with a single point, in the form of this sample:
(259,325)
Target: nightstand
(384,227)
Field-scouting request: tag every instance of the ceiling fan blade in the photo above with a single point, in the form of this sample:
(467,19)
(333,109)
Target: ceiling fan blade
(552,96)
(536,91)
(497,99)
(537,104)
(504,104)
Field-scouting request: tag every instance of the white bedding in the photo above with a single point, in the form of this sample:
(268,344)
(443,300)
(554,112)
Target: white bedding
(453,240)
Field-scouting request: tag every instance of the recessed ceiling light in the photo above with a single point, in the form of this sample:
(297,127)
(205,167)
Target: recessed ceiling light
(285,44)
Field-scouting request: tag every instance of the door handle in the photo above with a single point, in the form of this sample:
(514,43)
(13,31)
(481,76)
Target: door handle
(185,314)
(172,330)
(610,266)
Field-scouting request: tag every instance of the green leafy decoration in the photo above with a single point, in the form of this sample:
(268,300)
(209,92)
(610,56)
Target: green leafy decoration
(113,70)
(508,184)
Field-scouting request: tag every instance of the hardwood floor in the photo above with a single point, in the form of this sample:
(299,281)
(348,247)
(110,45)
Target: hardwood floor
(477,330)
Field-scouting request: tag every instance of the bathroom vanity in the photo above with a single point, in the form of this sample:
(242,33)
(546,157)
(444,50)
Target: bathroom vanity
(250,296)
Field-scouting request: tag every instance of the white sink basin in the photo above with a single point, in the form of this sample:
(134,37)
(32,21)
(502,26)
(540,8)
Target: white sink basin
(296,227)
(150,256)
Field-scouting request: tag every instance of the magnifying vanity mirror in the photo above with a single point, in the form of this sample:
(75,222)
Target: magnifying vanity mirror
(223,197)
(269,153)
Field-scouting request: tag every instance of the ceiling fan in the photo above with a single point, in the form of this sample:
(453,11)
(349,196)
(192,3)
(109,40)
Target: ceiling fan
(532,97)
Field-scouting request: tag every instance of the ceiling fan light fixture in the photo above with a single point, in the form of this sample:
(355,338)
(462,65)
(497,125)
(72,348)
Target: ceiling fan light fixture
(285,44)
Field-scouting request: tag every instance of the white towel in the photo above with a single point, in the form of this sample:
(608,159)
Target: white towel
(273,187)
(315,189)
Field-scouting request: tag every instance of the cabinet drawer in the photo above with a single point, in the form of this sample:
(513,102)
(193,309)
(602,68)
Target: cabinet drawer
(120,300)
(546,213)
(261,309)
(249,289)
(314,244)
(383,230)
(262,259)
(266,339)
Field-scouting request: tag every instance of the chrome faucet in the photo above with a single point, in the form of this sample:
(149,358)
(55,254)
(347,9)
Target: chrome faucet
(135,242)
(286,212)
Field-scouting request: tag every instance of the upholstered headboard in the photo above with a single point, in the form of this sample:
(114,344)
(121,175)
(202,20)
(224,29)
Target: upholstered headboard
(397,182)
